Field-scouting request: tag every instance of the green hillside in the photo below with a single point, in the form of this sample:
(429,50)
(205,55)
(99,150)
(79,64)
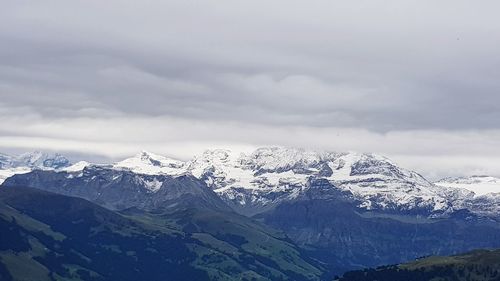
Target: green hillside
(53,237)
(479,265)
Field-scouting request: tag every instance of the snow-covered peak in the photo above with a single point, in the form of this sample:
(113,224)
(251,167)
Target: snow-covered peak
(152,164)
(40,160)
(78,166)
(379,183)
(279,159)
(271,175)
(24,163)
(357,166)
(34,160)
(219,167)
(480,185)
(32,157)
(216,156)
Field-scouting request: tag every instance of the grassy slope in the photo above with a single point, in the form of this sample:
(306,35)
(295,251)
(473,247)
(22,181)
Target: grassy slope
(479,265)
(62,238)
(237,244)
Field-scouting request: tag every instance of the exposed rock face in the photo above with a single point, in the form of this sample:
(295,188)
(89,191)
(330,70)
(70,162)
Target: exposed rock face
(333,230)
(121,189)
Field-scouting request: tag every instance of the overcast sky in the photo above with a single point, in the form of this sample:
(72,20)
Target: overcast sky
(418,81)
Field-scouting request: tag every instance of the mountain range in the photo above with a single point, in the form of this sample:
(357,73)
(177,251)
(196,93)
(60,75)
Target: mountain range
(257,182)
(340,211)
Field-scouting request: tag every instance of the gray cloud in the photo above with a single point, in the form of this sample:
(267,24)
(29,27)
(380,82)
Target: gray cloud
(197,71)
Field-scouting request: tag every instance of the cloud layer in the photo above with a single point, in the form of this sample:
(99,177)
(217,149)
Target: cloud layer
(416,80)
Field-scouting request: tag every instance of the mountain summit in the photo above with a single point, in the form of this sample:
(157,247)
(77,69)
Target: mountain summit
(152,164)
(256,182)
(252,183)
(36,159)
(26,162)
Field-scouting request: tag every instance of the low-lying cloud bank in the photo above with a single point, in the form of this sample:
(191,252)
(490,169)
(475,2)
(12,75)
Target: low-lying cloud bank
(435,153)
(414,80)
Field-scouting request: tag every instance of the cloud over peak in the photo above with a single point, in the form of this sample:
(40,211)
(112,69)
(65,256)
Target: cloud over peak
(371,76)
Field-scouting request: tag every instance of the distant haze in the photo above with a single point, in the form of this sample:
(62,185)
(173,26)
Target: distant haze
(416,81)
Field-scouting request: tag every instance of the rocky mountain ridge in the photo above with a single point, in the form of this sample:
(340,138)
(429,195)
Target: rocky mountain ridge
(256,182)
(260,180)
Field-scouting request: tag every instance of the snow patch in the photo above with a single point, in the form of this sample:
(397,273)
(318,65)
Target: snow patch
(7,173)
(151,164)
(480,185)
(79,166)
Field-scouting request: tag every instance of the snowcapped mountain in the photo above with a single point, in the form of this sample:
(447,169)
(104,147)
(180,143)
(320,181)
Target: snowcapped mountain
(345,209)
(268,176)
(480,185)
(24,163)
(41,160)
(34,160)
(152,164)
(256,182)
(251,183)
(485,192)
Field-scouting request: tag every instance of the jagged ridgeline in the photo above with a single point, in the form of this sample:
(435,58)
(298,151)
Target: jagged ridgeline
(256,182)
(481,265)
